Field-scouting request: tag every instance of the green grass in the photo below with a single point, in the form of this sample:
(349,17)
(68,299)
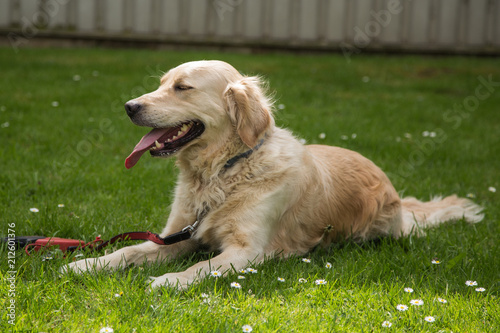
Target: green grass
(73,154)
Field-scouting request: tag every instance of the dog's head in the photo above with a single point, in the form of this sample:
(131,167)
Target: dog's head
(199,103)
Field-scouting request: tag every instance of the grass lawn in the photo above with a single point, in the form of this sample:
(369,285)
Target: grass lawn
(433,124)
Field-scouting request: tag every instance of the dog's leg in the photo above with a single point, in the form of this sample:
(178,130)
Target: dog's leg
(137,254)
(231,258)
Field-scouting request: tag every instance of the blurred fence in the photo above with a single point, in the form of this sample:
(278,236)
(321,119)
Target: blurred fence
(352,26)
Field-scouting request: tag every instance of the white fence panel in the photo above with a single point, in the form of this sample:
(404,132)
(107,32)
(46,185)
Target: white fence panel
(404,25)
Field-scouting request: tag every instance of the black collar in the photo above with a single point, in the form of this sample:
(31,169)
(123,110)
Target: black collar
(236,158)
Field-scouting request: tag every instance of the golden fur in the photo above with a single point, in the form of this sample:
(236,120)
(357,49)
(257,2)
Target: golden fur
(283,199)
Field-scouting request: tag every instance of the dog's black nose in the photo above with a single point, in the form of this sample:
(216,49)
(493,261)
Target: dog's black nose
(132,108)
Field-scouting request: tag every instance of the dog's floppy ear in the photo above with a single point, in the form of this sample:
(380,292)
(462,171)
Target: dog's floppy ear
(249,109)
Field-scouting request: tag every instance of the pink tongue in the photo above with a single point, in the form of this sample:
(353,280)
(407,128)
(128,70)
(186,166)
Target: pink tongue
(144,145)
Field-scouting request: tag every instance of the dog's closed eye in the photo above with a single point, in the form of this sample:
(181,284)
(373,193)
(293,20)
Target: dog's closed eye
(182,87)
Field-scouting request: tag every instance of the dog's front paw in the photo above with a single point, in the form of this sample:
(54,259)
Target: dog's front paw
(80,266)
(172,280)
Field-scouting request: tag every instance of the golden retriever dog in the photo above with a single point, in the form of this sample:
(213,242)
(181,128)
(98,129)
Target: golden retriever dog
(255,191)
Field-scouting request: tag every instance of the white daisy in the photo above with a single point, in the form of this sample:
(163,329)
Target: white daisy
(492,189)
(215,274)
(417,302)
(435,262)
(241,277)
(251,270)
(302,280)
(430,319)
(281,279)
(328,265)
(402,307)
(106,330)
(442,300)
(386,324)
(235,285)
(34,210)
(408,290)
(247,328)
(471,283)
(480,289)
(60,205)
(306,260)
(320,282)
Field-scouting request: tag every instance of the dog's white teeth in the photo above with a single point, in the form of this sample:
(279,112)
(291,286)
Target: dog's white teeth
(169,140)
(174,137)
(157,144)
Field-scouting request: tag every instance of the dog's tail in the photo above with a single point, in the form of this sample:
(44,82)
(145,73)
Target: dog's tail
(418,215)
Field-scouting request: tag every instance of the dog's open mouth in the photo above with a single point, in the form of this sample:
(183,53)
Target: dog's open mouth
(165,141)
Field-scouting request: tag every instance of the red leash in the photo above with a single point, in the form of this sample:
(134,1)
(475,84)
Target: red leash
(38,243)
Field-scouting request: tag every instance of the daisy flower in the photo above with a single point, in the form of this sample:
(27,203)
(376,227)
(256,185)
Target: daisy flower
(417,302)
(34,210)
(281,279)
(430,319)
(322,136)
(215,274)
(243,271)
(402,307)
(235,285)
(302,280)
(480,289)
(241,277)
(306,260)
(386,324)
(435,262)
(320,282)
(251,270)
(106,330)
(492,189)
(408,290)
(60,205)
(471,283)
(328,265)
(442,300)
(120,294)
(247,328)
(471,195)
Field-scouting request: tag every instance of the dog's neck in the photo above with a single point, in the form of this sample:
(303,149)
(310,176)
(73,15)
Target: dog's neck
(232,161)
(205,162)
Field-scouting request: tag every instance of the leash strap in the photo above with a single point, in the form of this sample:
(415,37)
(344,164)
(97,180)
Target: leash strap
(39,242)
(180,236)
